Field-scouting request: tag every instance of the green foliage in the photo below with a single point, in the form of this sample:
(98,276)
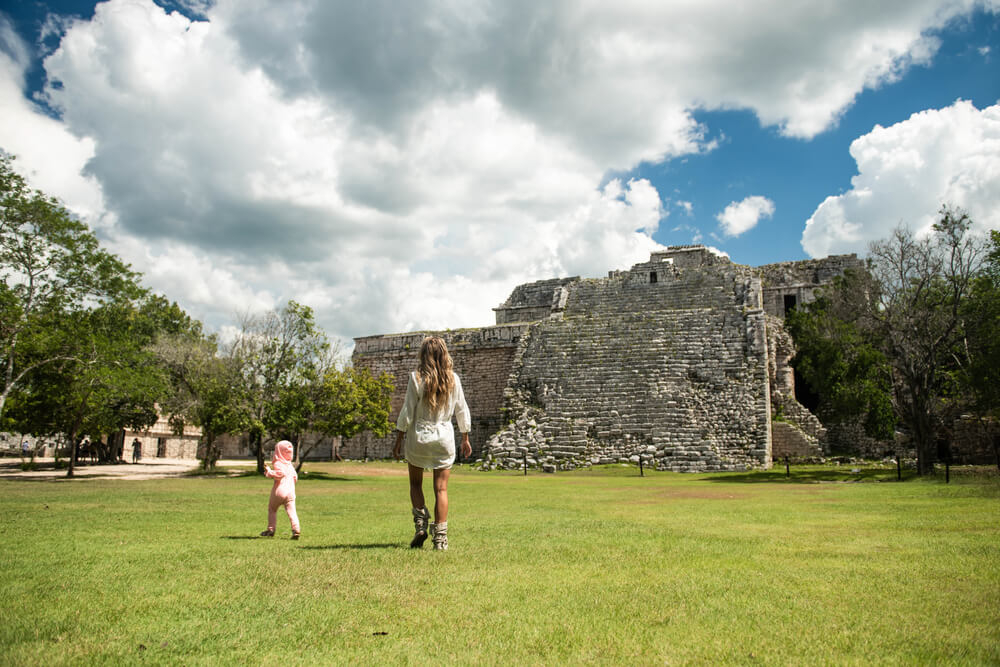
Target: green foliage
(981,313)
(279,357)
(279,378)
(52,268)
(76,327)
(205,388)
(899,332)
(110,379)
(353,400)
(839,362)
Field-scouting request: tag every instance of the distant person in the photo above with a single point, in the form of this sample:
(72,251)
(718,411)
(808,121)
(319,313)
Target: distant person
(136,450)
(433,395)
(25,448)
(283,490)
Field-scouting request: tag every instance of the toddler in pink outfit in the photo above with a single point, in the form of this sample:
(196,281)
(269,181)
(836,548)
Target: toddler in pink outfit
(283,491)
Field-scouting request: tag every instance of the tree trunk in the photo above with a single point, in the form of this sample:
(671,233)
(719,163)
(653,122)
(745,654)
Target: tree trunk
(996,448)
(259,438)
(211,455)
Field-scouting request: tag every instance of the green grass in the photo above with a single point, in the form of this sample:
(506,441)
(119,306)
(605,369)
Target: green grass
(597,566)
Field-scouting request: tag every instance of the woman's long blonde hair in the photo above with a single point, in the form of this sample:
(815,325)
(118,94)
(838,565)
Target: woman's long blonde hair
(435,373)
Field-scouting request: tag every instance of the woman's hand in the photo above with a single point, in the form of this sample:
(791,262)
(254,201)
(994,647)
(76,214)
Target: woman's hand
(397,449)
(466,447)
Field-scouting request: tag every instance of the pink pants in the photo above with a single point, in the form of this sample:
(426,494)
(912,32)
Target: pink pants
(272,511)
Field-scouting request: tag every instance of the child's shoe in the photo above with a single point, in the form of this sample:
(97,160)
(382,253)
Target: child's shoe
(439,534)
(295,535)
(420,518)
(267,533)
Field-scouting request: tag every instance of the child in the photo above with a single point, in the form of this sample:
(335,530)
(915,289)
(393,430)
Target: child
(283,491)
(433,395)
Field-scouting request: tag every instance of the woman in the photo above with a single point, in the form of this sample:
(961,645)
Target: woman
(433,395)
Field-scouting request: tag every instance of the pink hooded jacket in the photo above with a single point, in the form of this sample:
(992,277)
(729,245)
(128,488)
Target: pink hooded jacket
(283,474)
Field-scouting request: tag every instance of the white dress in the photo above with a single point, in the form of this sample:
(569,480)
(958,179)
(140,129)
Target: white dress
(430,437)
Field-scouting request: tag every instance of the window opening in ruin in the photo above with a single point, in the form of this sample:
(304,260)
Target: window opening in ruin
(804,394)
(652,276)
(161,448)
(790,301)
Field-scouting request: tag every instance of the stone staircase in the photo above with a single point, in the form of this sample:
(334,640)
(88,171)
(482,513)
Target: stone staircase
(667,372)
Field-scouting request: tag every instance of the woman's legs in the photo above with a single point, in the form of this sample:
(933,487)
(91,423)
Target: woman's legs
(441,495)
(420,514)
(416,486)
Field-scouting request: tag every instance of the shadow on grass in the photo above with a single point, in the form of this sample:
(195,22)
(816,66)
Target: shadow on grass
(325,477)
(231,473)
(356,546)
(221,472)
(242,537)
(811,476)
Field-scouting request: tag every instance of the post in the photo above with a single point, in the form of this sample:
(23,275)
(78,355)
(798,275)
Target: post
(947,470)
(366,453)
(899,467)
(788,470)
(525,463)
(640,466)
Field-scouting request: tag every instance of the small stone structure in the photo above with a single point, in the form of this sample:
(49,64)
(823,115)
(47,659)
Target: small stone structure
(678,362)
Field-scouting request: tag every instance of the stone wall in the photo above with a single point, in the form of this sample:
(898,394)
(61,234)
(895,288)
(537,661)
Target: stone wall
(801,435)
(789,441)
(483,359)
(533,301)
(160,441)
(791,284)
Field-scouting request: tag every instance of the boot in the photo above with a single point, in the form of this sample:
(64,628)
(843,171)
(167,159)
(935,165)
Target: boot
(267,533)
(420,518)
(439,534)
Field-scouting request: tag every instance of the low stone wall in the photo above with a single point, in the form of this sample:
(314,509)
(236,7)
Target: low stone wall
(974,442)
(482,357)
(788,441)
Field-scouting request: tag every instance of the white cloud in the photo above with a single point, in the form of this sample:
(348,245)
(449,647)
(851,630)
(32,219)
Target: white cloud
(742,216)
(405,166)
(47,153)
(906,172)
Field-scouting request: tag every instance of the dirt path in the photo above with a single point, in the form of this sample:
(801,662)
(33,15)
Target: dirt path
(148,469)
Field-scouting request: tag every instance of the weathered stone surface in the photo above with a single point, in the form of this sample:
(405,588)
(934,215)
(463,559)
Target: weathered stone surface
(672,361)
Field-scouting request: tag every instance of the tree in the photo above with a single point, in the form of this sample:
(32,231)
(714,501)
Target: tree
(108,381)
(276,354)
(51,267)
(981,314)
(206,388)
(915,317)
(353,400)
(901,327)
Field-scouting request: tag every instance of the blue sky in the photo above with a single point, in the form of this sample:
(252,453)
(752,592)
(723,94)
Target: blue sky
(798,174)
(404,166)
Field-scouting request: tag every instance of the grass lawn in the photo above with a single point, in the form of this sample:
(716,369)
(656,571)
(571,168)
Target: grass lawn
(598,566)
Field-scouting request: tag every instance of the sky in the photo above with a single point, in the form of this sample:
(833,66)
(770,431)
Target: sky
(403,166)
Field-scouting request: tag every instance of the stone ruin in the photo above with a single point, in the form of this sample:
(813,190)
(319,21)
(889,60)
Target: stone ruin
(680,362)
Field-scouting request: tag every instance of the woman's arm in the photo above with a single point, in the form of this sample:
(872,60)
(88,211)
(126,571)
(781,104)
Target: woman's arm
(405,417)
(463,417)
(397,449)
